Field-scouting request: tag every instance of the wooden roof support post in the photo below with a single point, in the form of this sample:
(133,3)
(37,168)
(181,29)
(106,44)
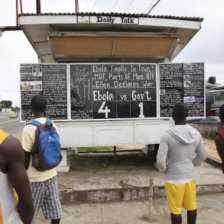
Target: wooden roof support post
(17,11)
(17,20)
(38,6)
(115,153)
(21,7)
(76,6)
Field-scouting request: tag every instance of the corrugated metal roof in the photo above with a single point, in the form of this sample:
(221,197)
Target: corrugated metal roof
(198,19)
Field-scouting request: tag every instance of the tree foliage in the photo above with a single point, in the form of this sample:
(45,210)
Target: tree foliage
(6,104)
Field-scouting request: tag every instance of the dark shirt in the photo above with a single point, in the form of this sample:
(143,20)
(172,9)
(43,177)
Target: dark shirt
(219,141)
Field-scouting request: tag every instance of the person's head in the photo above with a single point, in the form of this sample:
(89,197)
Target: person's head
(38,105)
(180,113)
(221,113)
(36,69)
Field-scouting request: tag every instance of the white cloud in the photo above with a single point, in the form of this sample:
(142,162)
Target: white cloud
(14,49)
(216,70)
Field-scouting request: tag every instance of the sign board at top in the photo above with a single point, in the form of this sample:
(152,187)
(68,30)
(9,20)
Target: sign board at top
(109,20)
(113,90)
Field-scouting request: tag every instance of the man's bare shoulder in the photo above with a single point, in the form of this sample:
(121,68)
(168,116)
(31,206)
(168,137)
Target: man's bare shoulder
(11,149)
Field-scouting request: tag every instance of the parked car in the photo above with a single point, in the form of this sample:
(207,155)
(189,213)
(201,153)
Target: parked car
(209,120)
(13,116)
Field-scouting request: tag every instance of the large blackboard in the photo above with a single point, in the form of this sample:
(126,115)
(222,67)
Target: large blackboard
(111,91)
(49,80)
(182,83)
(193,74)
(105,91)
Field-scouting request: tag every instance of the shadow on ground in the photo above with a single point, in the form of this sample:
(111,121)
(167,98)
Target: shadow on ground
(100,162)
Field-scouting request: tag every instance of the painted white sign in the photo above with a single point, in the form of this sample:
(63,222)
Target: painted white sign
(6,110)
(83,19)
(114,20)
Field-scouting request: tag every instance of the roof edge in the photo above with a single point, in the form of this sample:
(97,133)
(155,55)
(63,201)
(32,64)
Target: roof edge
(197,19)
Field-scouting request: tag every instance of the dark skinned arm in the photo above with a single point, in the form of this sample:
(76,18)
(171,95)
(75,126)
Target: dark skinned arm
(13,152)
(27,159)
(219,141)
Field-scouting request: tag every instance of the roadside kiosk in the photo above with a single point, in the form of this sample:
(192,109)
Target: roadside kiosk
(108,77)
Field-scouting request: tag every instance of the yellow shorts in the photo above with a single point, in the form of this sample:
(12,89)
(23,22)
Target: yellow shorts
(181,196)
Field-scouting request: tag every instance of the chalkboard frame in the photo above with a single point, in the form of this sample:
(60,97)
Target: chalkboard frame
(68,75)
(111,119)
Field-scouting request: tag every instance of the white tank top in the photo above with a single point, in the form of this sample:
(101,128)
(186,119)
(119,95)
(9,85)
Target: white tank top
(8,213)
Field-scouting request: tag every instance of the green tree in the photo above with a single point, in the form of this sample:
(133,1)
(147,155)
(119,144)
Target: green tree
(6,103)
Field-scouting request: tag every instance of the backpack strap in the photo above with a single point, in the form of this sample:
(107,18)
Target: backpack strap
(48,121)
(35,123)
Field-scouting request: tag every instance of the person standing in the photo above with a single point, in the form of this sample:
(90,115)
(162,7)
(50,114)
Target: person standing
(176,158)
(16,204)
(219,136)
(44,185)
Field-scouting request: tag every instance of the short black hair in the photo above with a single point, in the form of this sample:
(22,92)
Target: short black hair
(38,103)
(221,112)
(180,110)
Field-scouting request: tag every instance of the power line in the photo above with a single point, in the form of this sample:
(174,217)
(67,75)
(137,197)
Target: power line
(128,5)
(115,3)
(153,6)
(94,5)
(147,8)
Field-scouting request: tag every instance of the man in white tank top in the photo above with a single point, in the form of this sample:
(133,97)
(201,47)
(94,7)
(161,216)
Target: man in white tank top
(16,204)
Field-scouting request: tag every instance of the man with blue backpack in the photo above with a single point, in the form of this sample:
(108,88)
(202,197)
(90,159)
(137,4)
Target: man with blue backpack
(41,143)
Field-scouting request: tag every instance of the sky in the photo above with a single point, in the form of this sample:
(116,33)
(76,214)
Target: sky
(206,46)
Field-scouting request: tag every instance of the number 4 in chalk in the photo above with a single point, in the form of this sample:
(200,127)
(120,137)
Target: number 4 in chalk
(104,110)
(141,115)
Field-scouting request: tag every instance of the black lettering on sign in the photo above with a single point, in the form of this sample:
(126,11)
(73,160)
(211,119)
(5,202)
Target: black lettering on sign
(193,74)
(81,95)
(49,80)
(105,91)
(55,90)
(182,83)
(105,19)
(111,91)
(171,87)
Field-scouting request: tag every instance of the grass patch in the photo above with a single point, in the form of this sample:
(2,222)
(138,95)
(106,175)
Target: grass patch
(92,149)
(105,165)
(211,138)
(81,169)
(122,183)
(99,168)
(95,163)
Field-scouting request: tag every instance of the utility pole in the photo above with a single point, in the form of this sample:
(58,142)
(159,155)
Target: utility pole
(17,22)
(38,6)
(76,6)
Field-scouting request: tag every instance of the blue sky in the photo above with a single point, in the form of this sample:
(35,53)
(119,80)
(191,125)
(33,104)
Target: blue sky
(207,46)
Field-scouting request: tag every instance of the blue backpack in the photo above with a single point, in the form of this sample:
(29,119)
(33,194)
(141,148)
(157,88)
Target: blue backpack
(46,152)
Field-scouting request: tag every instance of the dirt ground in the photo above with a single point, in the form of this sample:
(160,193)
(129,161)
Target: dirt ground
(128,161)
(211,149)
(105,162)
